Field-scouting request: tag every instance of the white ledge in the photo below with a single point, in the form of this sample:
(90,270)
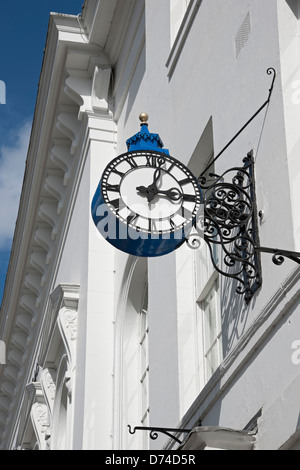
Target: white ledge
(215,438)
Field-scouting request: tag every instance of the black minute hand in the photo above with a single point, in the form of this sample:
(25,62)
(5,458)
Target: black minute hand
(152,188)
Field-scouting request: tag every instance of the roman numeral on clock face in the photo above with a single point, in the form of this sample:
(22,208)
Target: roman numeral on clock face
(116,203)
(172,223)
(189,197)
(184,181)
(152,225)
(185,213)
(117,172)
(131,162)
(112,187)
(153,161)
(132,218)
(171,167)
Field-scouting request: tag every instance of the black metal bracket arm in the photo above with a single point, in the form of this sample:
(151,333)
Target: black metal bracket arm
(280,255)
(170,432)
(229,223)
(270,71)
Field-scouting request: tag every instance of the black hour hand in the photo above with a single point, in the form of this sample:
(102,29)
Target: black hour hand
(142,189)
(147,191)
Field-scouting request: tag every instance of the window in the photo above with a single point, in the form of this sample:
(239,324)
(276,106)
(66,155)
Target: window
(198,300)
(209,321)
(132,366)
(208,313)
(212,331)
(144,363)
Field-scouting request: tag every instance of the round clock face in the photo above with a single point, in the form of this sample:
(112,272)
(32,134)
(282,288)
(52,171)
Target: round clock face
(151,192)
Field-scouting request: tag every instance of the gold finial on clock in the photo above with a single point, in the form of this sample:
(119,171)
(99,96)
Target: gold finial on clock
(143,118)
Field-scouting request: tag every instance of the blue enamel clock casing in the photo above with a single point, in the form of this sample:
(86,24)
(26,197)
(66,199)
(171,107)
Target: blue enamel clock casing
(147,201)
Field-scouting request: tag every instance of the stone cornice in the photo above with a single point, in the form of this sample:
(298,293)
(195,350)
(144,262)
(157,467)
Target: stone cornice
(73,88)
(60,326)
(100,13)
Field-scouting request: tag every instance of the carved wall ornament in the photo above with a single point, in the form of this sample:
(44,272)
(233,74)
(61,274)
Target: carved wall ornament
(59,170)
(40,421)
(48,377)
(67,324)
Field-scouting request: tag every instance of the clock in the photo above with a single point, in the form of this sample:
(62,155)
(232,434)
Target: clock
(146,203)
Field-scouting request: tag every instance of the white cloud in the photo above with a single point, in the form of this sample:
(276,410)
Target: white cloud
(12,166)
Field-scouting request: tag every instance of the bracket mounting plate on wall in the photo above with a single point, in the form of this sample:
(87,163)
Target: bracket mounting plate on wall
(229,221)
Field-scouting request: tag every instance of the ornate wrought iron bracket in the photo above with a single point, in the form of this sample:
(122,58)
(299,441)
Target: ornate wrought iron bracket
(170,432)
(229,221)
(280,255)
(270,71)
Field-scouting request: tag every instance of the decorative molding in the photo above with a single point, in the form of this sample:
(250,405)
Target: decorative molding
(60,325)
(39,415)
(68,125)
(61,157)
(54,185)
(66,296)
(48,383)
(182,35)
(100,88)
(53,164)
(90,93)
(61,315)
(67,323)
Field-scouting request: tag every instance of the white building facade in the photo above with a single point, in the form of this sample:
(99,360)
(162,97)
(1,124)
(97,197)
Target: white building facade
(97,340)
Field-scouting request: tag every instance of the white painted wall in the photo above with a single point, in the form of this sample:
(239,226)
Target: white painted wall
(289,43)
(210,80)
(184,83)
(87,259)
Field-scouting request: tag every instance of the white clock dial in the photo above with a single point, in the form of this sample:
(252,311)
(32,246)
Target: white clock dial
(151,192)
(161,207)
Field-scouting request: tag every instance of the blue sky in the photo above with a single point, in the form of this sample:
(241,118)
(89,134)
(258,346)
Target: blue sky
(23,31)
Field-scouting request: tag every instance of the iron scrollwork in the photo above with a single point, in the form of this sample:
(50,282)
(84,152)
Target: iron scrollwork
(229,221)
(279,255)
(154,432)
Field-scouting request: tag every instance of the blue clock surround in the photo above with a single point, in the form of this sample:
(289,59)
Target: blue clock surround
(123,236)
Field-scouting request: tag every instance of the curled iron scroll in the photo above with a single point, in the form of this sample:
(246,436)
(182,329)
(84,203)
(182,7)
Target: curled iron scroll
(229,222)
(154,432)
